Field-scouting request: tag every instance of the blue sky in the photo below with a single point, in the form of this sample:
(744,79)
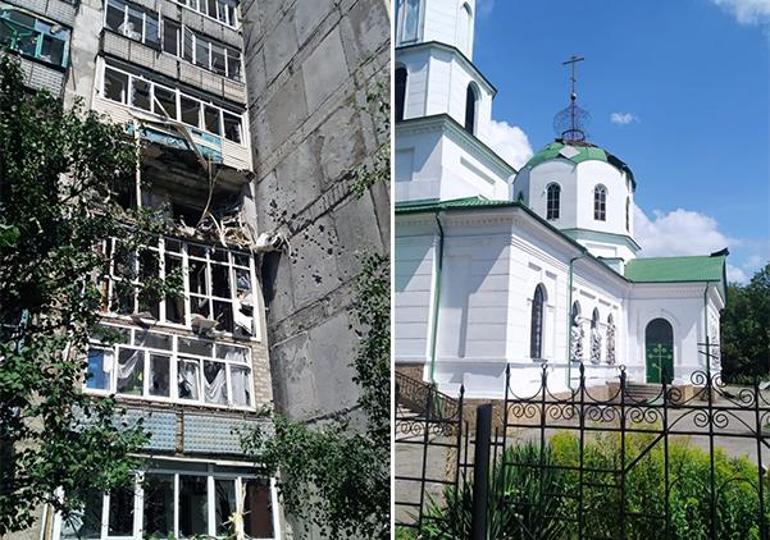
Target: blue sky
(691,81)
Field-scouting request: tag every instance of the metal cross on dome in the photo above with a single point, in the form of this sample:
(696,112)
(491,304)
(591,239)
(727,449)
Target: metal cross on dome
(570,123)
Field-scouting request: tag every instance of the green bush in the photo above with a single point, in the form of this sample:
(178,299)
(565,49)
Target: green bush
(537,496)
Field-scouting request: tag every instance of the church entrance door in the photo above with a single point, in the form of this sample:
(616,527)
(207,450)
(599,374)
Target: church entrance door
(659,348)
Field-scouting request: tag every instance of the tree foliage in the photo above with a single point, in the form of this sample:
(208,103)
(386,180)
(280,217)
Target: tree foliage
(745,334)
(58,169)
(337,476)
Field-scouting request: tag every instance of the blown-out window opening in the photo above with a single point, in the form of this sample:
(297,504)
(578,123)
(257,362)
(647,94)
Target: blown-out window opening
(218,285)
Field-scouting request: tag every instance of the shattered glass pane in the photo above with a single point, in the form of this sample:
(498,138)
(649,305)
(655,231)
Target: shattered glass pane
(195,346)
(115,85)
(160,376)
(200,306)
(220,280)
(188,379)
(130,371)
(224,504)
(223,312)
(198,277)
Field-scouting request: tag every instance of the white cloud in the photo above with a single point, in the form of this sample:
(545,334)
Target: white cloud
(680,232)
(747,11)
(510,142)
(623,118)
(735,274)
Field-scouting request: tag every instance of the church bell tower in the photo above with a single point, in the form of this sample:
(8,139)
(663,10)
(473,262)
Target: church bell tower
(443,107)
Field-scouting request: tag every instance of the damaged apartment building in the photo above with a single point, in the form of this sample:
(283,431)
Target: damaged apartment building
(195,367)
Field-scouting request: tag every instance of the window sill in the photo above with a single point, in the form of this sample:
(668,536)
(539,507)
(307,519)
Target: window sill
(153,324)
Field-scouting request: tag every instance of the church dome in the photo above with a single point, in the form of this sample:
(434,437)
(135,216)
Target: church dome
(577,152)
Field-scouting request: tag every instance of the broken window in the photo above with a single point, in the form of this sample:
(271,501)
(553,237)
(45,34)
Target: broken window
(215,383)
(232,127)
(190,111)
(171,31)
(130,371)
(224,504)
(211,117)
(193,505)
(241,386)
(160,375)
(165,102)
(140,96)
(115,85)
(116,14)
(189,377)
(133,27)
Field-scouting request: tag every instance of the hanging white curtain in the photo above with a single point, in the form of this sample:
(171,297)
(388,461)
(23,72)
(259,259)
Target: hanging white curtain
(215,383)
(130,368)
(239,378)
(187,379)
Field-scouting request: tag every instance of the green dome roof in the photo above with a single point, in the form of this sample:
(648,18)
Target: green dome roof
(580,152)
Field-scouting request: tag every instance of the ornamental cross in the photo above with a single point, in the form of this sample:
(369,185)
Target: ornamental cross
(572,63)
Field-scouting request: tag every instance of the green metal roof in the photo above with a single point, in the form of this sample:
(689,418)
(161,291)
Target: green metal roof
(677,269)
(585,152)
(433,205)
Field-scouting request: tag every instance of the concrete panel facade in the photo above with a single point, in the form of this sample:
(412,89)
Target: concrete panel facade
(309,68)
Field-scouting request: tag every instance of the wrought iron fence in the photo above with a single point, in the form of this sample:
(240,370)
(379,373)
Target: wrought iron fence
(428,424)
(686,460)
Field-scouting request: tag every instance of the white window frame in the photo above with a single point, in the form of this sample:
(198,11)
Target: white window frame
(145,13)
(201,124)
(221,17)
(174,358)
(174,468)
(232,265)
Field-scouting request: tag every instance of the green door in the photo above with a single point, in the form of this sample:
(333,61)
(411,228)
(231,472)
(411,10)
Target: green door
(659,347)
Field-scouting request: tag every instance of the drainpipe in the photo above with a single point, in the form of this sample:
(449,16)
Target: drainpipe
(706,331)
(436,297)
(569,319)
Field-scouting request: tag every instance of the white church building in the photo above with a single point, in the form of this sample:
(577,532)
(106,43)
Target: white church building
(497,267)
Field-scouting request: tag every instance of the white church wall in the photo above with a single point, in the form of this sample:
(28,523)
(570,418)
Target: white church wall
(418,164)
(416,61)
(467,171)
(682,306)
(535,182)
(413,298)
(443,19)
(460,77)
(589,175)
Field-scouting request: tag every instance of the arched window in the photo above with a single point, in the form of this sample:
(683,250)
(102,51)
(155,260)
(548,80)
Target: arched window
(553,201)
(596,338)
(576,334)
(628,214)
(659,351)
(536,328)
(471,99)
(610,340)
(465,29)
(409,19)
(600,203)
(400,92)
